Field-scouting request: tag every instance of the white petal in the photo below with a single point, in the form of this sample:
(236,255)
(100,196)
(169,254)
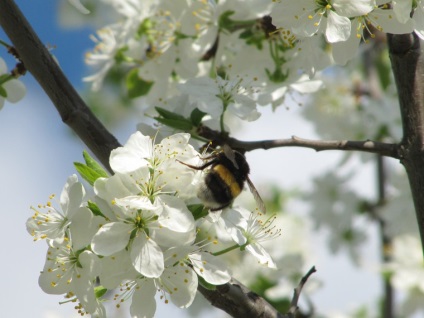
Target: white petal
(261,255)
(83,227)
(143,304)
(385,19)
(402,9)
(16,90)
(133,155)
(338,28)
(147,256)
(111,238)
(181,282)
(345,51)
(136,202)
(350,9)
(175,214)
(234,220)
(305,86)
(169,238)
(211,268)
(65,200)
(82,283)
(115,269)
(77,4)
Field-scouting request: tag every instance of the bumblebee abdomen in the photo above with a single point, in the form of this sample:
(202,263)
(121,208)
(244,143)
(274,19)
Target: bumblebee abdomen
(233,185)
(221,187)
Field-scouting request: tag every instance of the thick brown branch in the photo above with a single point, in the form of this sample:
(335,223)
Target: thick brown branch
(238,301)
(408,69)
(37,59)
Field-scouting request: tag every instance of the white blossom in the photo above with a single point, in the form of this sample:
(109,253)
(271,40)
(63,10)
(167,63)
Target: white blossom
(68,271)
(54,223)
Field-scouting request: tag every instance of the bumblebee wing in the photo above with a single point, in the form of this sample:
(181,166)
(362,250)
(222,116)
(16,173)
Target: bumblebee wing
(258,199)
(229,153)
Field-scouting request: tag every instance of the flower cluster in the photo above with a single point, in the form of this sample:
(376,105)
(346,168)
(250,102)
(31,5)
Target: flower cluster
(138,234)
(185,44)
(275,43)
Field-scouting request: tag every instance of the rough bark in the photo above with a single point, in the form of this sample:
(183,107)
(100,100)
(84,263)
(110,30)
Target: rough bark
(408,68)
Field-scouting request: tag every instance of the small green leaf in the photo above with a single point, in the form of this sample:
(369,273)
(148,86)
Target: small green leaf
(136,85)
(93,164)
(169,115)
(196,116)
(177,124)
(173,120)
(99,291)
(88,174)
(205,283)
(94,208)
(198,210)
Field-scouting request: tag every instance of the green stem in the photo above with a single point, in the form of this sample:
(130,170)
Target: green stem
(226,250)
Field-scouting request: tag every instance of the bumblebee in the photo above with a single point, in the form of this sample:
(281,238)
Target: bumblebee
(227,171)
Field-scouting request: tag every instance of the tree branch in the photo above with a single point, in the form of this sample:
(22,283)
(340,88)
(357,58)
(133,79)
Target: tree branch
(238,301)
(384,149)
(37,60)
(298,290)
(408,69)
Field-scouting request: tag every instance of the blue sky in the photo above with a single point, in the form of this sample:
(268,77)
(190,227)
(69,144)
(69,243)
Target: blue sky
(38,152)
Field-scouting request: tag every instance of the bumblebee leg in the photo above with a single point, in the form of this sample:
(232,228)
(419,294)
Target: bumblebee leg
(202,167)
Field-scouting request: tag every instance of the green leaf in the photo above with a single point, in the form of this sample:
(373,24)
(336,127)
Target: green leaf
(169,115)
(173,120)
(93,164)
(196,116)
(88,174)
(205,283)
(198,210)
(94,208)
(137,86)
(3,92)
(99,291)
(177,124)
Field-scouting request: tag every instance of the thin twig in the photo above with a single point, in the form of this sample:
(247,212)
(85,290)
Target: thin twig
(298,290)
(382,148)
